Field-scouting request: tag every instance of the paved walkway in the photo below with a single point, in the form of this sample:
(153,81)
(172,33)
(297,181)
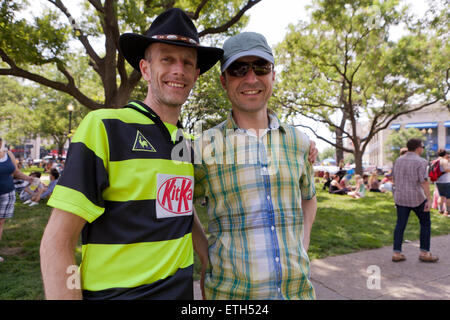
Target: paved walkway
(371,275)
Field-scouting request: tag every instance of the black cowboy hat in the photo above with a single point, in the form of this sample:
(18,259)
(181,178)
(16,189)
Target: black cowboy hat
(172,27)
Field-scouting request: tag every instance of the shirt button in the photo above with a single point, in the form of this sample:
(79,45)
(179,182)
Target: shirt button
(277,259)
(268,198)
(272,228)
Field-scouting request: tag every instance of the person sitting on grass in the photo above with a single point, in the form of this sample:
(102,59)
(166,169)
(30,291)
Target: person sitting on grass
(365,178)
(32,189)
(46,192)
(374,183)
(326,180)
(344,182)
(335,187)
(386,184)
(360,189)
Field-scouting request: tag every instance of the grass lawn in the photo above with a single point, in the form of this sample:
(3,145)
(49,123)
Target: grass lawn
(342,225)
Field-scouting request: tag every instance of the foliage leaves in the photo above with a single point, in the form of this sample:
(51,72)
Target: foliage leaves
(342,69)
(52,38)
(398,139)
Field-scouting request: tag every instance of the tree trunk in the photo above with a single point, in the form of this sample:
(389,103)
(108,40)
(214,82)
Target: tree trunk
(358,161)
(339,151)
(340,140)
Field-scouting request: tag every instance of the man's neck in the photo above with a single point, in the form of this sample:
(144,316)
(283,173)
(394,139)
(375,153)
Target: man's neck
(167,114)
(251,120)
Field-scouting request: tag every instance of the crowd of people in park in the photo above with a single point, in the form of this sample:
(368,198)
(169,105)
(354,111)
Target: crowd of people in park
(48,163)
(135,207)
(409,182)
(345,182)
(355,185)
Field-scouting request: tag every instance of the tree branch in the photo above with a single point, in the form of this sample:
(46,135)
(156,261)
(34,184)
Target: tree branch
(377,127)
(324,120)
(196,14)
(232,21)
(324,139)
(68,88)
(79,33)
(97,5)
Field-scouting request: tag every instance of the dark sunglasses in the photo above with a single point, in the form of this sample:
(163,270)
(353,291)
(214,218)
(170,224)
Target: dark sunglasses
(239,68)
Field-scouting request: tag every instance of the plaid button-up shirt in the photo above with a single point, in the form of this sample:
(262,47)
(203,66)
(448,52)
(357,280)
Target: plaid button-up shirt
(255,187)
(409,171)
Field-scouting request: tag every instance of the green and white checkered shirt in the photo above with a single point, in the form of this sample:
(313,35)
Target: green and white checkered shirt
(254,188)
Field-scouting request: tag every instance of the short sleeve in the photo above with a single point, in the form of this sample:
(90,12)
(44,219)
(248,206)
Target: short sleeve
(85,176)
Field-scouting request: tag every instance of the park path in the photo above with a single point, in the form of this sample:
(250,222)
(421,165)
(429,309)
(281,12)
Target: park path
(371,275)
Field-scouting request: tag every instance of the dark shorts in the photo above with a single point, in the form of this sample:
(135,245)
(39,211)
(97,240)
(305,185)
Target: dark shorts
(444,189)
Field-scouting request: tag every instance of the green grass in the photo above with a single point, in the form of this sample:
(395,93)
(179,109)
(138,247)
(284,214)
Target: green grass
(343,225)
(20,276)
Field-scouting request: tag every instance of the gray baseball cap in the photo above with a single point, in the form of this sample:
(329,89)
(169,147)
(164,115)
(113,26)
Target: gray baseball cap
(245,44)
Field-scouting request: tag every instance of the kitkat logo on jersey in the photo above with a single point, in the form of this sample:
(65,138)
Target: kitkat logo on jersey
(174,196)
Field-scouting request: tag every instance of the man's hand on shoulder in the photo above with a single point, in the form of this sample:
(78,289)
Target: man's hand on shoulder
(313,152)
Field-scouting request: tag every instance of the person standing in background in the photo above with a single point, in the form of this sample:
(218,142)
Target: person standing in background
(443,182)
(412,192)
(8,171)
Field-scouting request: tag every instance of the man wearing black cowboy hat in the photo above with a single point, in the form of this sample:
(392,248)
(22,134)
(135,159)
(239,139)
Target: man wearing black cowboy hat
(120,179)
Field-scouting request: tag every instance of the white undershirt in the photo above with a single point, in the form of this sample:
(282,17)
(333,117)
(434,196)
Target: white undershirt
(4,158)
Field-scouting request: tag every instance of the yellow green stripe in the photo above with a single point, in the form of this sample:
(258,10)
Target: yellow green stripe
(130,265)
(124,115)
(73,201)
(123,174)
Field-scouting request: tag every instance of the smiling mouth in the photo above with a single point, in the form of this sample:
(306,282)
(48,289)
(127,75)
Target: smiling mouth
(251,92)
(175,84)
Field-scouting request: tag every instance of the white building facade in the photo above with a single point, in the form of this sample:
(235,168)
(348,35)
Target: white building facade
(433,120)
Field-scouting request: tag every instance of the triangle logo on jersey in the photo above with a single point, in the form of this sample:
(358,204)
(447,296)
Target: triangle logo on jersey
(142,144)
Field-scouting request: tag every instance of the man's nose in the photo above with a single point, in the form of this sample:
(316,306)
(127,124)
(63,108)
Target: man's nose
(250,76)
(177,67)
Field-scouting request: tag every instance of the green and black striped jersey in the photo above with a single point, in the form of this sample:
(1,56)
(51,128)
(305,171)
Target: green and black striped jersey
(120,176)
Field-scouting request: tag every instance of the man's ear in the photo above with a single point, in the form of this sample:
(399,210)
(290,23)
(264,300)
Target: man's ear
(223,81)
(197,75)
(145,69)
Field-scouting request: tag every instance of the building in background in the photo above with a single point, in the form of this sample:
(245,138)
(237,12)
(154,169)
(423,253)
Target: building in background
(433,121)
(33,148)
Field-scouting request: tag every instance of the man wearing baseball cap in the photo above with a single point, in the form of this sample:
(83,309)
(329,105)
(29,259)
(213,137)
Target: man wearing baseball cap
(120,187)
(261,195)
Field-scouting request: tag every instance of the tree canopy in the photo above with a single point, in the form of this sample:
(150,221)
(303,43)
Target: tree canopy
(398,139)
(29,111)
(342,69)
(54,38)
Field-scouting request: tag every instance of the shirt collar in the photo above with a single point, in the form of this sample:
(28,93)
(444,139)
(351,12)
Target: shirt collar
(145,108)
(274,122)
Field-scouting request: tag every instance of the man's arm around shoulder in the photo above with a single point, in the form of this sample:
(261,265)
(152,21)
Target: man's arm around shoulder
(57,254)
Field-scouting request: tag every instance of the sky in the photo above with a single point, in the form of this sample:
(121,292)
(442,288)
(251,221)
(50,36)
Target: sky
(271,17)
